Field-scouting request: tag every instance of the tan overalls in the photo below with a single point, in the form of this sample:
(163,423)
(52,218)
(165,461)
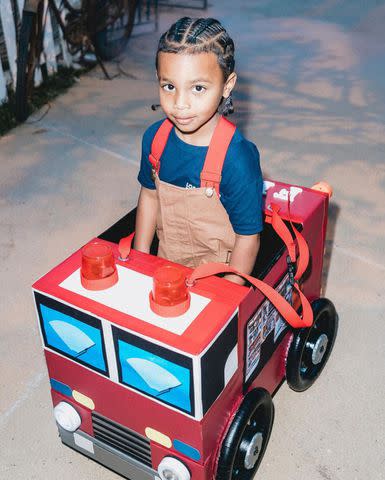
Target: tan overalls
(193,227)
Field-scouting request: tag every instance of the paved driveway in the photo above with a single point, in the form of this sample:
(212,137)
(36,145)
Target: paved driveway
(311,95)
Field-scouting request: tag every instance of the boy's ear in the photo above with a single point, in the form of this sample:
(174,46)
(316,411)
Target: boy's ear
(229,85)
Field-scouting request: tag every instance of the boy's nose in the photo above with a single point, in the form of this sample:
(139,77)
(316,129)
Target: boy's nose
(181,102)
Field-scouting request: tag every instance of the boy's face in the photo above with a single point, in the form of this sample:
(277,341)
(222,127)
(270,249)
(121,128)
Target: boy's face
(190,90)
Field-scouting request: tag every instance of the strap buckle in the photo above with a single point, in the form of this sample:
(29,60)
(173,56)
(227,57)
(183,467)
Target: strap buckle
(291,269)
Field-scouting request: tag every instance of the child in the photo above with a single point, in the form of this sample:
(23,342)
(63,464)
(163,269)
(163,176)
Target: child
(201,183)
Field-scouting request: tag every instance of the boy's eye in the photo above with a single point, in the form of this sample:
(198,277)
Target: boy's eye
(199,88)
(168,87)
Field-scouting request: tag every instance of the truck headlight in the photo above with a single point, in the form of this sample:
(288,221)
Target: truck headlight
(67,417)
(172,469)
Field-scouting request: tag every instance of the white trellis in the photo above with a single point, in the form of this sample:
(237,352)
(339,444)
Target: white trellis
(55,49)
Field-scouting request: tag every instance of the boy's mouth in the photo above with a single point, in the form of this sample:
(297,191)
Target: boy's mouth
(183,120)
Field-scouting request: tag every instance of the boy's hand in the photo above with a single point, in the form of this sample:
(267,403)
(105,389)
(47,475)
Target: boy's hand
(243,256)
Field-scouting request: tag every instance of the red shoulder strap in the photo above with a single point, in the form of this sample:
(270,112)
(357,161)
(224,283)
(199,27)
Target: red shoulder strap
(212,169)
(159,144)
(279,302)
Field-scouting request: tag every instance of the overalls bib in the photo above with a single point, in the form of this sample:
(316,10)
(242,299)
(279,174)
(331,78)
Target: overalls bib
(193,226)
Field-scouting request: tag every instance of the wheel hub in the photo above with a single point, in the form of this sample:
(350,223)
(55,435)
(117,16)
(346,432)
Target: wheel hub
(253,451)
(319,349)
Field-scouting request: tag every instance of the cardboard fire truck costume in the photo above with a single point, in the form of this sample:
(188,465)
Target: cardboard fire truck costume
(152,391)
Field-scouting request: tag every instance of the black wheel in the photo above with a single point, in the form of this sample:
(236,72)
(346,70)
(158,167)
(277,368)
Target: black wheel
(245,443)
(113,28)
(311,347)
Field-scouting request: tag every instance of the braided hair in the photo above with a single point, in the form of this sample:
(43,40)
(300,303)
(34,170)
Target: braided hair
(201,35)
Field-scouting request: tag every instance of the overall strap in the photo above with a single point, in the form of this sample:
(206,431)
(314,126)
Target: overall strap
(211,174)
(159,144)
(212,169)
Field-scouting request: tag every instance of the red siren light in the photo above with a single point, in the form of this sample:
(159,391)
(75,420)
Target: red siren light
(323,187)
(98,270)
(169,296)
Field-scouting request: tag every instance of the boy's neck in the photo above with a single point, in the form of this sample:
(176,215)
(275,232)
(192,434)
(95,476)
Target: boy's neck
(202,136)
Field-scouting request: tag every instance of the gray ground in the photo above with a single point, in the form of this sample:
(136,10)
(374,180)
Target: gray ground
(311,96)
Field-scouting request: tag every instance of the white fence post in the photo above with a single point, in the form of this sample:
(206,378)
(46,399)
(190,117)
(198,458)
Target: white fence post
(63,44)
(48,42)
(21,5)
(8,25)
(3,88)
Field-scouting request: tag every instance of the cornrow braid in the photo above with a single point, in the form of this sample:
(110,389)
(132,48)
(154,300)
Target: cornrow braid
(189,35)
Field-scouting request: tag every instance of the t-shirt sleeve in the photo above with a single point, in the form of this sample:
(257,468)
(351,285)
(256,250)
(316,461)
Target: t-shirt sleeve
(145,171)
(243,189)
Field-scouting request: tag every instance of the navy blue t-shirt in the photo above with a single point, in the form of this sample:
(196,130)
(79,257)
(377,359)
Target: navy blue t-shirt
(241,184)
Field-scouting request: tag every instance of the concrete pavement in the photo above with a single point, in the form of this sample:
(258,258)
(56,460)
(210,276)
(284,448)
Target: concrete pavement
(311,96)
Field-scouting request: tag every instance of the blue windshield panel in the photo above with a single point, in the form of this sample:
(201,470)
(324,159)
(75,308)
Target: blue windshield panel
(73,337)
(155,375)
